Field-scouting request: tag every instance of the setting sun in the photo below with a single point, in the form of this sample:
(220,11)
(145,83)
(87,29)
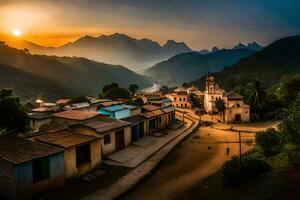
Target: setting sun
(17,33)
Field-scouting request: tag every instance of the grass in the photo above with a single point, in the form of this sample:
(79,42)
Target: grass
(268,186)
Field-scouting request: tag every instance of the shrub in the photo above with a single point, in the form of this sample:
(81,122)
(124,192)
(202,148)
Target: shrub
(268,140)
(235,173)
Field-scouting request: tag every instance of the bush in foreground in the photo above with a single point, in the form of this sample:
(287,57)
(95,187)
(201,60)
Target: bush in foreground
(235,173)
(268,140)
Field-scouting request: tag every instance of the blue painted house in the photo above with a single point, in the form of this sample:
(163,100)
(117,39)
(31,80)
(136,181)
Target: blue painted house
(116,112)
(28,168)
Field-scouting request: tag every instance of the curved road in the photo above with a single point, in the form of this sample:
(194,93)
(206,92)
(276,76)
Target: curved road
(195,159)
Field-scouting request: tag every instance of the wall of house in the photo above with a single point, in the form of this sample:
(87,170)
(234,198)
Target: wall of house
(109,148)
(127,135)
(180,101)
(122,114)
(71,168)
(232,110)
(25,188)
(209,101)
(7,180)
(136,111)
(36,124)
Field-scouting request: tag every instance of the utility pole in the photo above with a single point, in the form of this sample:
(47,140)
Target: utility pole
(240,143)
(183,117)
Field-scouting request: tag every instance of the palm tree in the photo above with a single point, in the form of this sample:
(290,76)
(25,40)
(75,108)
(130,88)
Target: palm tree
(256,96)
(221,107)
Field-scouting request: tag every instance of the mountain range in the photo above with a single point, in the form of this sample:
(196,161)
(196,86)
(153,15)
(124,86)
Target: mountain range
(281,58)
(53,76)
(119,49)
(192,65)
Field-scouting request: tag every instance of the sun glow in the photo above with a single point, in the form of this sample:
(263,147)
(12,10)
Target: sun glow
(16,33)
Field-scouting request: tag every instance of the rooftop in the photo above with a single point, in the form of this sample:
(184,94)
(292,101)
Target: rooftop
(62,101)
(18,150)
(130,107)
(149,107)
(76,115)
(104,124)
(64,138)
(114,108)
(133,119)
(152,113)
(77,105)
(169,109)
(233,95)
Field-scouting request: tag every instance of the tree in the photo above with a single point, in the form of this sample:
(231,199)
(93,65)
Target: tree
(133,88)
(108,87)
(117,93)
(164,89)
(13,117)
(185,85)
(195,102)
(288,89)
(290,126)
(220,106)
(256,96)
(79,99)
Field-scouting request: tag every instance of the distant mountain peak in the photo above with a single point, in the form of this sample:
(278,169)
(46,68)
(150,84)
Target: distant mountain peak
(215,49)
(252,46)
(176,46)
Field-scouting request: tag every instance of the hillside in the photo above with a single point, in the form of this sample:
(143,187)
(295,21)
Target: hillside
(115,49)
(190,66)
(269,65)
(30,86)
(80,75)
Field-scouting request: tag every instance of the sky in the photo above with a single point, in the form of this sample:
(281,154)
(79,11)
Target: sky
(199,23)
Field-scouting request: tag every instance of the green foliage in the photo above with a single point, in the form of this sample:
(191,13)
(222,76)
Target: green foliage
(108,87)
(133,88)
(256,96)
(288,88)
(268,140)
(233,173)
(79,99)
(290,127)
(195,102)
(13,117)
(117,93)
(185,85)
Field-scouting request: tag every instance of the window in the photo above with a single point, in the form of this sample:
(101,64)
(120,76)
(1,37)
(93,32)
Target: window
(152,123)
(40,169)
(83,154)
(238,105)
(106,139)
(212,98)
(183,99)
(180,99)
(174,98)
(159,119)
(181,105)
(246,111)
(185,105)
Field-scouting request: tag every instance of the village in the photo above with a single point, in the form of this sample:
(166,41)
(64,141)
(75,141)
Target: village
(76,140)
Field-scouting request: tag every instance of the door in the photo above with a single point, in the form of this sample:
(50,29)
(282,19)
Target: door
(135,133)
(120,141)
(141,129)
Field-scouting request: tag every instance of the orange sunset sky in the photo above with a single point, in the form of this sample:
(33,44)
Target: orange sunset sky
(201,23)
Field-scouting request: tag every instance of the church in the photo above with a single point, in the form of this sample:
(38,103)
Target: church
(236,110)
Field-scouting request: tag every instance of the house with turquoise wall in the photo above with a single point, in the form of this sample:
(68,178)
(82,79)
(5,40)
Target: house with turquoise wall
(28,167)
(116,112)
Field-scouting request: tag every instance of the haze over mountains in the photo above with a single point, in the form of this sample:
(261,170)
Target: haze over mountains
(52,76)
(190,66)
(117,49)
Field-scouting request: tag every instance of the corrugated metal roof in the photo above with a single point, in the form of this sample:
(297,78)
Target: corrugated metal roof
(76,114)
(114,108)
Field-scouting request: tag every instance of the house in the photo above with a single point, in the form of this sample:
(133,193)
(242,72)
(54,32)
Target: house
(162,102)
(169,116)
(38,119)
(134,110)
(115,112)
(180,99)
(82,153)
(28,168)
(236,109)
(154,118)
(137,127)
(115,134)
(83,106)
(73,117)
